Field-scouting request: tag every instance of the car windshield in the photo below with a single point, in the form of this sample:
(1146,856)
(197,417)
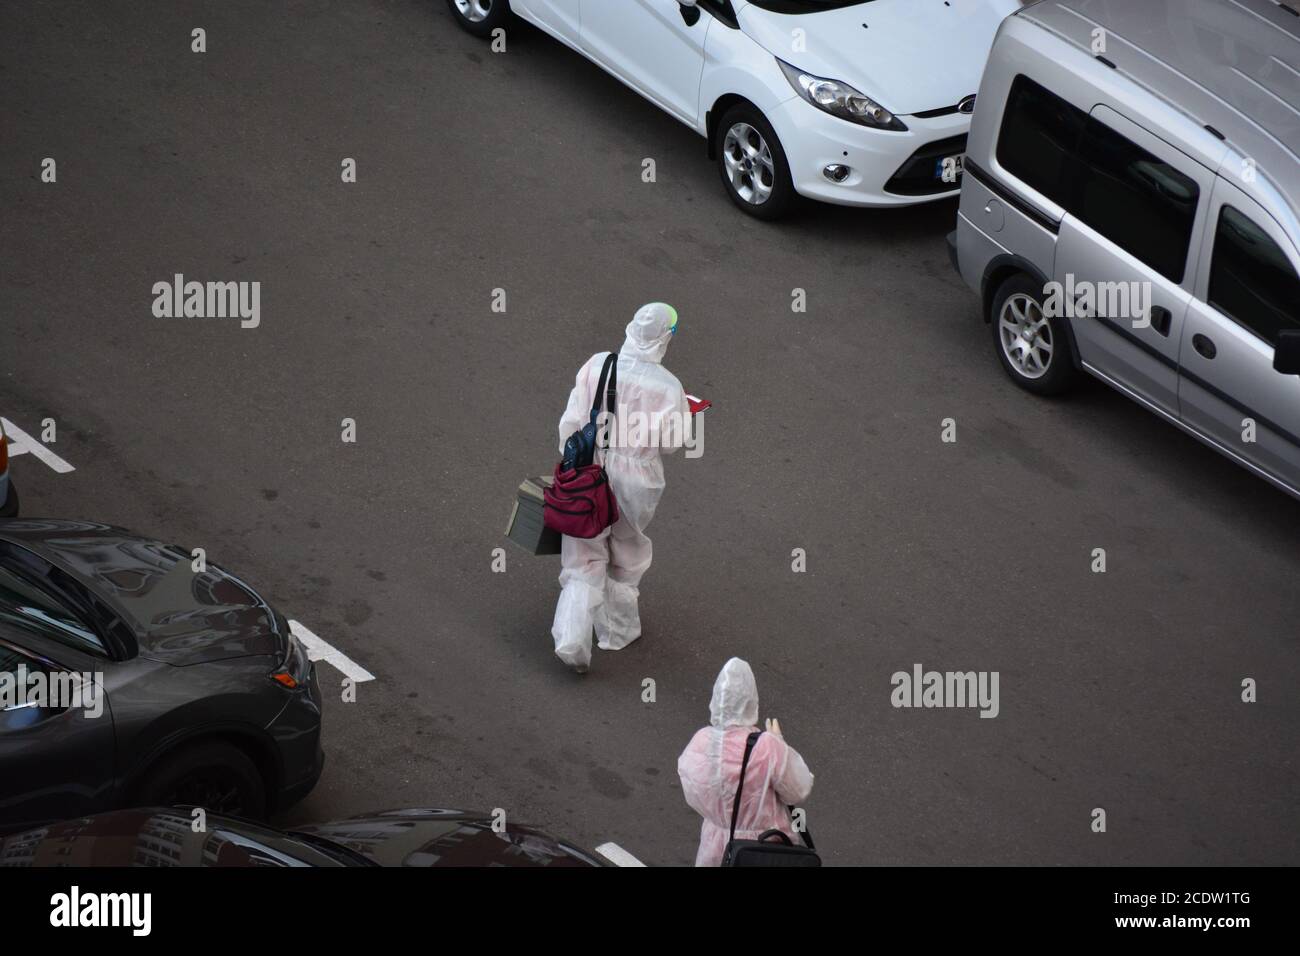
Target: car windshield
(805,6)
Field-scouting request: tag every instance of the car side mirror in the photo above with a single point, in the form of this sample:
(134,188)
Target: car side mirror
(1286,353)
(690,11)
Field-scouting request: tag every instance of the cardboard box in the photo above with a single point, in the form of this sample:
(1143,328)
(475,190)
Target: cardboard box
(527,527)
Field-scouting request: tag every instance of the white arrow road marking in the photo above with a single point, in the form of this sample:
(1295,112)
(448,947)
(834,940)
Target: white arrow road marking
(617,855)
(319,650)
(20,443)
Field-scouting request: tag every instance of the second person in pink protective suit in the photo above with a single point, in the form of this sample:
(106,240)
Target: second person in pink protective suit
(709,768)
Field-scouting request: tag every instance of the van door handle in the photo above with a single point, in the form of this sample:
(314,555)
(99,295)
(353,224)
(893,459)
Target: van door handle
(1204,346)
(1161,318)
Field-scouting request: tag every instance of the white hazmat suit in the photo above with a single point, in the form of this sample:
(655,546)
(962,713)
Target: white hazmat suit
(600,576)
(709,768)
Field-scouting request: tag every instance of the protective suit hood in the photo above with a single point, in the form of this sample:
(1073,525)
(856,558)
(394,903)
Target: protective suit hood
(735,696)
(649,332)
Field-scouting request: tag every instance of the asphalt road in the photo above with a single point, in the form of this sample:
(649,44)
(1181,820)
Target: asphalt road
(522,171)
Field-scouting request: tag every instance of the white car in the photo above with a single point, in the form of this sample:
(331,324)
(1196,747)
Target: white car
(855,102)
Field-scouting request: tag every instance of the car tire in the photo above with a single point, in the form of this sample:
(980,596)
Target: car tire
(1033,347)
(215,775)
(10,507)
(480,17)
(752,163)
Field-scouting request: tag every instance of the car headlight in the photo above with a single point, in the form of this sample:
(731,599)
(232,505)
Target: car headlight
(295,669)
(840,99)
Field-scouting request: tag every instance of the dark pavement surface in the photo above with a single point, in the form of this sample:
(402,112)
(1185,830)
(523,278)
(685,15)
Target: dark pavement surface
(522,171)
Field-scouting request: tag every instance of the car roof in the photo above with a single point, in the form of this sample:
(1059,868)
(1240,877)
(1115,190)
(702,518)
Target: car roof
(1233,65)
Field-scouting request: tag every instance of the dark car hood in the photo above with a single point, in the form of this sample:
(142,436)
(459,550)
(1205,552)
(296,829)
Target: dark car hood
(178,617)
(428,837)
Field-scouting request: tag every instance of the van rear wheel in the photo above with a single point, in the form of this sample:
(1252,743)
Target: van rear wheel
(1033,346)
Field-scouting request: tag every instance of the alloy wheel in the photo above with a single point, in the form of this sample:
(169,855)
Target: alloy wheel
(475,11)
(748,161)
(1025,336)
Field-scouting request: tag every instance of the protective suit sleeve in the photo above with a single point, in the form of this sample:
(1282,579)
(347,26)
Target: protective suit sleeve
(578,411)
(793,781)
(691,767)
(675,424)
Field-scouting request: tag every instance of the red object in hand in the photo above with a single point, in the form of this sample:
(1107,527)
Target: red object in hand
(698,404)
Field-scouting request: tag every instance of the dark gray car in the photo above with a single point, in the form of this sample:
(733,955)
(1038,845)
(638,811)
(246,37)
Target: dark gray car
(173,686)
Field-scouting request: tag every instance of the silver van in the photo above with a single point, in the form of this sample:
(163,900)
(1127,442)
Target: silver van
(1131,208)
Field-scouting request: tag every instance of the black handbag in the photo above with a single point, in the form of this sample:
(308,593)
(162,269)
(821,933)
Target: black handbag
(580,447)
(773,847)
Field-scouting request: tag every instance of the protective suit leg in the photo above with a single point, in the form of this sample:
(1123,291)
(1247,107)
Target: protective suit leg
(618,620)
(582,594)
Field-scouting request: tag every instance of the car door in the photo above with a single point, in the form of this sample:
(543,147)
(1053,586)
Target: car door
(1249,291)
(56,760)
(655,46)
(558,17)
(1125,257)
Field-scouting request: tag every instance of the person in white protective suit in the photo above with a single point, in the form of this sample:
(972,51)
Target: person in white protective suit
(600,576)
(709,767)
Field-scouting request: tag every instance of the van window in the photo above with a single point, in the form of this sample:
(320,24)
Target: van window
(1251,280)
(1137,201)
(1039,139)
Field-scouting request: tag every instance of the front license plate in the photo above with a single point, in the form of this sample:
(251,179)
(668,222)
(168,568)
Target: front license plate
(948,169)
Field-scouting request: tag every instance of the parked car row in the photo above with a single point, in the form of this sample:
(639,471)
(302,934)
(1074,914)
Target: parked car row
(1129,184)
(190,692)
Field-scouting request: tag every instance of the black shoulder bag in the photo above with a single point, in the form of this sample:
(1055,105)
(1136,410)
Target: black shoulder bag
(580,447)
(773,847)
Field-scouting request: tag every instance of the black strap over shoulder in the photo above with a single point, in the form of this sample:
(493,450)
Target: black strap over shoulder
(740,785)
(608,373)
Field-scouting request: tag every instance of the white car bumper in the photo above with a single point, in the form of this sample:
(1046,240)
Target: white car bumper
(814,140)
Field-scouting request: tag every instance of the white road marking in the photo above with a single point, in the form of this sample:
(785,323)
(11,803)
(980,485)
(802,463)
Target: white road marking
(617,855)
(319,650)
(20,443)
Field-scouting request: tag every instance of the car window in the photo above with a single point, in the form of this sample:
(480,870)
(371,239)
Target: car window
(1136,200)
(1251,279)
(1039,140)
(16,669)
(37,610)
